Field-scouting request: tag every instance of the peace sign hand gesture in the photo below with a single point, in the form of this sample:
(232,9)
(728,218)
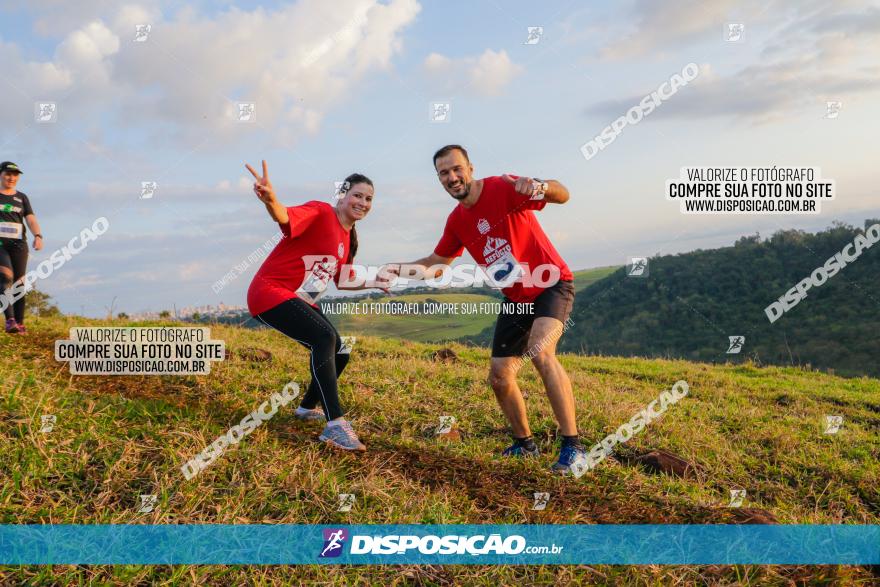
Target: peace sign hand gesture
(263,187)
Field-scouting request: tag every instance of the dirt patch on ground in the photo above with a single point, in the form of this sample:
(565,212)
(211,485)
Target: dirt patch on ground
(499,490)
(445,356)
(253,354)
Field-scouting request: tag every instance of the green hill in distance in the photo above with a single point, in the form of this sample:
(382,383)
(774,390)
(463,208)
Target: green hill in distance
(690,303)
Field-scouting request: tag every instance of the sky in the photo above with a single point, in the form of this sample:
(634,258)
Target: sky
(349,86)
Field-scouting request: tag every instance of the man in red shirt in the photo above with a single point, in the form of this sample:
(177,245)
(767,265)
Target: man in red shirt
(495,222)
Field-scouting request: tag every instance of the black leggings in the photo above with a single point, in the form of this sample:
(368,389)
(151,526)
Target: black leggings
(309,327)
(14,258)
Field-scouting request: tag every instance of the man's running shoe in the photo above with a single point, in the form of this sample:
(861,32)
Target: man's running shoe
(342,436)
(302,413)
(518,449)
(12,326)
(572,460)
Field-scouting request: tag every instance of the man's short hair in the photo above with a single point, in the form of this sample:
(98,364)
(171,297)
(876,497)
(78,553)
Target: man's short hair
(444,151)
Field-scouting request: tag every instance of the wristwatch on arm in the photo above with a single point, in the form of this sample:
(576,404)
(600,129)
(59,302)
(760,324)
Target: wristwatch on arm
(540,189)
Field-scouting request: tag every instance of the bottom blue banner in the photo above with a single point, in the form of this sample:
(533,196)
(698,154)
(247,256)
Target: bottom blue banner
(440,544)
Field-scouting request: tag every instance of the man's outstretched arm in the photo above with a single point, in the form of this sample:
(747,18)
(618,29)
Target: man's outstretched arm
(555,192)
(418,269)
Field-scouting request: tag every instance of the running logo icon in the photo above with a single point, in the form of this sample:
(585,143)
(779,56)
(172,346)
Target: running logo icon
(346,501)
(736,344)
(148,503)
(579,466)
(333,542)
(148,189)
(736,498)
(47,422)
(446,424)
(346,344)
(440,112)
(637,267)
(833,424)
(45,112)
(339,189)
(534,35)
(142,32)
(247,111)
(541,499)
(735,32)
(832,109)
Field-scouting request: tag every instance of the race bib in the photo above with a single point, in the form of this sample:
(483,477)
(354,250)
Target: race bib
(317,279)
(10,230)
(505,271)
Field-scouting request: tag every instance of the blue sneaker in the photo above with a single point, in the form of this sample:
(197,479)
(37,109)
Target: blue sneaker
(572,460)
(341,435)
(302,413)
(518,450)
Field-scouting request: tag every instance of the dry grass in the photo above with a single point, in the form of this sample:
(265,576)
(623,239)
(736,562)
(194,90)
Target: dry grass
(118,437)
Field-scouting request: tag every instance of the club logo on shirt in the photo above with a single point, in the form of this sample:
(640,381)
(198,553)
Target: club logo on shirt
(340,250)
(495,248)
(483,226)
(10,208)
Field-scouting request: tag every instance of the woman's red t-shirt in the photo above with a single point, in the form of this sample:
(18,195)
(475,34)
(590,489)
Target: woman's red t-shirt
(313,241)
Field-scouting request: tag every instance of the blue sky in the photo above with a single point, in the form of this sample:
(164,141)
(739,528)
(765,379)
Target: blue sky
(347,87)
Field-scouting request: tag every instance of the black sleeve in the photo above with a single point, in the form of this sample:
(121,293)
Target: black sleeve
(26,205)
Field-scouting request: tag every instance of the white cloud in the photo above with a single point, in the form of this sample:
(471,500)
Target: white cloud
(826,52)
(200,68)
(187,78)
(665,26)
(88,45)
(487,74)
(243,185)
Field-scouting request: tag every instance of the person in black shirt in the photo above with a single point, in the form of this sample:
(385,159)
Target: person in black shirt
(15,212)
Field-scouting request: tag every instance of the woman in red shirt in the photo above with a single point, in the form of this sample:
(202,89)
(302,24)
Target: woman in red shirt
(319,242)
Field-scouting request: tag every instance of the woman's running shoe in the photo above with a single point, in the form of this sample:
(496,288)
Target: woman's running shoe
(302,413)
(12,326)
(341,435)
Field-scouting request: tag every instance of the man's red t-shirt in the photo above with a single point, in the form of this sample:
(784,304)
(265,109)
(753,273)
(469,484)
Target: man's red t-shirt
(313,239)
(501,226)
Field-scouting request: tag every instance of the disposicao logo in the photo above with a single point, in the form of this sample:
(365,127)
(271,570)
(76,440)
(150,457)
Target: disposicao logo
(334,539)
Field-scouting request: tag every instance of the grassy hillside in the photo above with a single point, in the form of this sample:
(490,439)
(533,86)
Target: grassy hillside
(691,303)
(760,429)
(587,277)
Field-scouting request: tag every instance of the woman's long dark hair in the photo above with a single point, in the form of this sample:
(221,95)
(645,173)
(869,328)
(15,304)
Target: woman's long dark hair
(353,235)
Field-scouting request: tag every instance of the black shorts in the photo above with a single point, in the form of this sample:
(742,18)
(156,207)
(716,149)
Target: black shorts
(513,327)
